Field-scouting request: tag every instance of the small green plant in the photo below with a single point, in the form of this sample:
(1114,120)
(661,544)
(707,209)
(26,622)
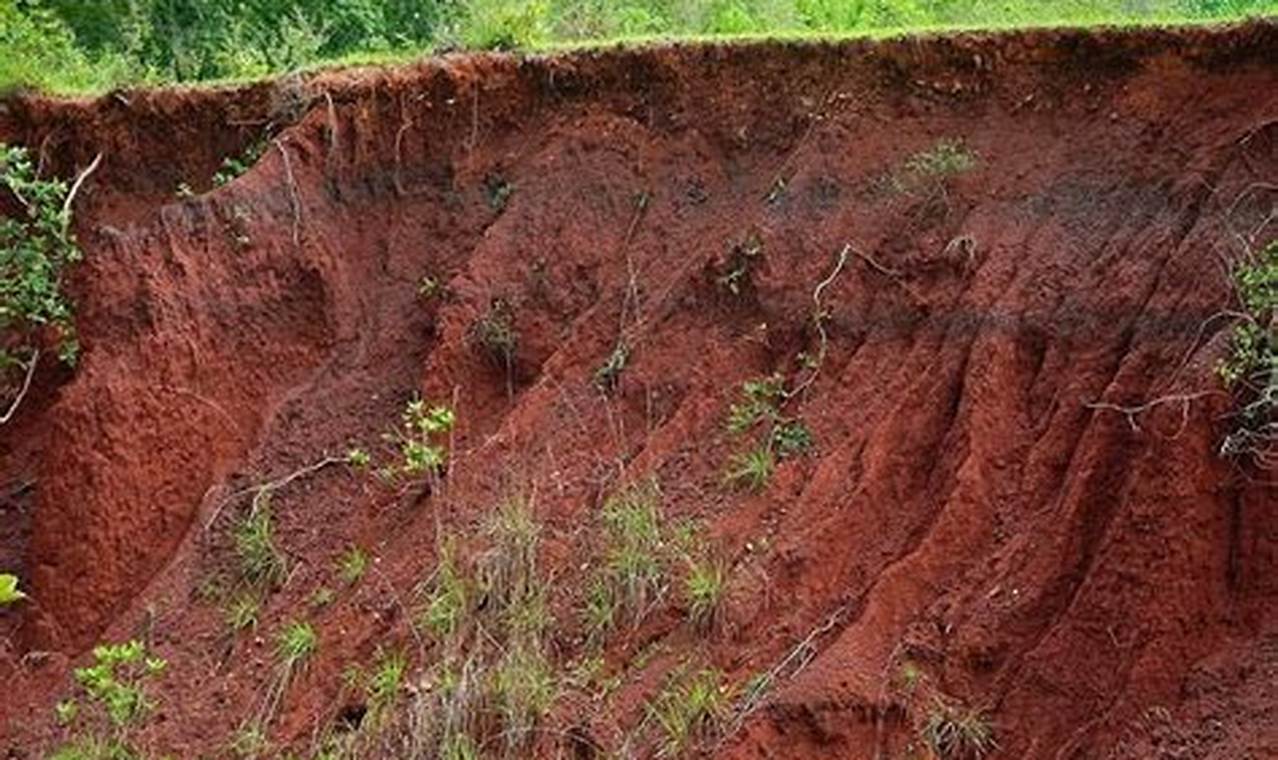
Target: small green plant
(359,458)
(689,709)
(114,689)
(235,166)
(493,332)
(497,190)
(352,565)
(261,562)
(790,438)
(608,376)
(945,159)
(760,404)
(383,686)
(295,644)
(65,711)
(249,742)
(751,469)
(36,249)
(958,732)
(928,171)
(322,596)
(741,262)
(599,612)
(503,25)
(911,675)
(242,612)
(9,592)
(419,440)
(760,401)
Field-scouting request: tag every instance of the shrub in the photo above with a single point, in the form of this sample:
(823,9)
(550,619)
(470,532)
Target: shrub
(1250,369)
(36,247)
(419,440)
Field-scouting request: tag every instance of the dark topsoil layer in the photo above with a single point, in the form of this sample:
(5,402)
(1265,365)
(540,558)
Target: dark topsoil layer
(1102,584)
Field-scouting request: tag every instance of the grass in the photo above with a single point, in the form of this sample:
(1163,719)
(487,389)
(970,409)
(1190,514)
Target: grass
(242,612)
(634,556)
(352,565)
(447,597)
(958,732)
(688,709)
(751,469)
(261,562)
(295,644)
(703,590)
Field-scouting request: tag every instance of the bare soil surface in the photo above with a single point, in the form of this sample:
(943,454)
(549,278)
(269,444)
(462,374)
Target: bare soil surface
(977,520)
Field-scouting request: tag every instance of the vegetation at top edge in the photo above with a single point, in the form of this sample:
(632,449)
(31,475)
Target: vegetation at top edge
(94,45)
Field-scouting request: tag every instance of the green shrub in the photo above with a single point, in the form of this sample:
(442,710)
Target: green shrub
(36,248)
(503,24)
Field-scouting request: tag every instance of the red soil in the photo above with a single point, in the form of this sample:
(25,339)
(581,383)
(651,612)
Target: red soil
(1104,585)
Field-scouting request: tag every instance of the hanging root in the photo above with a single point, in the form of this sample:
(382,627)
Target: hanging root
(1133,412)
(26,386)
(295,202)
(819,317)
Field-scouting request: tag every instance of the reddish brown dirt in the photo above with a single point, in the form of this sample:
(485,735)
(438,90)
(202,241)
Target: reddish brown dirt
(1104,586)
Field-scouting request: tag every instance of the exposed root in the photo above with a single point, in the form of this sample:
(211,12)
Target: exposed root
(819,317)
(265,490)
(891,274)
(22,392)
(790,666)
(75,188)
(1133,412)
(295,202)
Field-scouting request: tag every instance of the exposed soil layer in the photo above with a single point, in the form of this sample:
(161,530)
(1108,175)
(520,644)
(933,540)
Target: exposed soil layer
(976,511)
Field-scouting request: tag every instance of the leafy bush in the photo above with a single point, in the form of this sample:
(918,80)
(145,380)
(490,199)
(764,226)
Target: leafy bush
(36,247)
(1250,369)
(422,453)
